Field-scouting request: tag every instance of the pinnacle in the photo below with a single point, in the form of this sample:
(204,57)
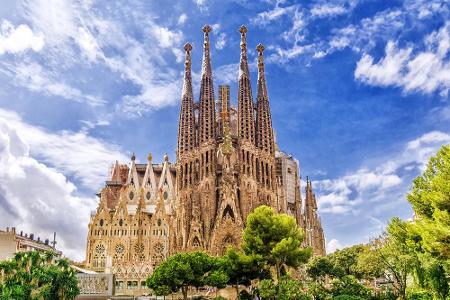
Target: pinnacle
(207,29)
(187,47)
(260,48)
(243,29)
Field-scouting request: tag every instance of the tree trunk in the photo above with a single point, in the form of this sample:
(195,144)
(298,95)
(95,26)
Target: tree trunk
(184,291)
(237,291)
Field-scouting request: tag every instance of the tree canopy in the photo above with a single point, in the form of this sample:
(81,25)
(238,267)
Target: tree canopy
(183,270)
(275,238)
(37,275)
(430,198)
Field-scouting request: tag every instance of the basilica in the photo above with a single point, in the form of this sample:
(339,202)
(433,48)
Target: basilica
(227,164)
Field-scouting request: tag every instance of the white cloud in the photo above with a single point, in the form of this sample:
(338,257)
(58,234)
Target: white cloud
(16,40)
(333,245)
(33,77)
(221,41)
(75,38)
(346,194)
(75,154)
(266,17)
(182,19)
(227,74)
(425,71)
(38,199)
(326,10)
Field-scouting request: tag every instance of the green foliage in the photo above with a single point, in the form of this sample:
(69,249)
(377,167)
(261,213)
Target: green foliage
(267,289)
(217,278)
(369,264)
(348,297)
(437,280)
(241,268)
(318,291)
(346,261)
(220,298)
(181,271)
(36,275)
(348,285)
(275,239)
(430,198)
(321,266)
(420,294)
(290,289)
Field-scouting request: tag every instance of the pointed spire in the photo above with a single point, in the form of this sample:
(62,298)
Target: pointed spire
(246,120)
(264,131)
(187,86)
(262,88)
(243,66)
(206,65)
(207,112)
(133,177)
(186,130)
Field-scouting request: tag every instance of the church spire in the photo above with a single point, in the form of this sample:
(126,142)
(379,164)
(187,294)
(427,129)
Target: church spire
(264,131)
(207,111)
(186,130)
(246,122)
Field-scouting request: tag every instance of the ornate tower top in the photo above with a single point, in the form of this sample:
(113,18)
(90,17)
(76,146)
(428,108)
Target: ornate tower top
(206,66)
(246,121)
(243,70)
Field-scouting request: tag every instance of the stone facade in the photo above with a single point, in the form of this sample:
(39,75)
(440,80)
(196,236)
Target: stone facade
(227,164)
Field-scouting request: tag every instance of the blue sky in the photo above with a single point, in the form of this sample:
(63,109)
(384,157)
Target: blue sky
(359,92)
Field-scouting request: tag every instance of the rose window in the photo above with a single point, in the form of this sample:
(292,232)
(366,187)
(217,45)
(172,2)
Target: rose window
(139,248)
(100,248)
(120,248)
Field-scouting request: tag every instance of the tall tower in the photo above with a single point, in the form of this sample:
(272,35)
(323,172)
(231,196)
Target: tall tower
(245,100)
(204,196)
(248,153)
(187,161)
(207,115)
(186,129)
(264,131)
(265,165)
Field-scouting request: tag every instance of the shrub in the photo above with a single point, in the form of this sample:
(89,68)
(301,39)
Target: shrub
(348,297)
(419,295)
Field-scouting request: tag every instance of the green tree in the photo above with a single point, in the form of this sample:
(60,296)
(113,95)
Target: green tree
(349,286)
(320,267)
(290,289)
(241,269)
(275,238)
(37,275)
(395,254)
(181,271)
(430,198)
(346,260)
(368,265)
(217,278)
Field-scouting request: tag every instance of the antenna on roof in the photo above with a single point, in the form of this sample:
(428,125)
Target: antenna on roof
(54,240)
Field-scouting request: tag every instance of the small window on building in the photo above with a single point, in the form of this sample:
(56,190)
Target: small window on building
(101,222)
